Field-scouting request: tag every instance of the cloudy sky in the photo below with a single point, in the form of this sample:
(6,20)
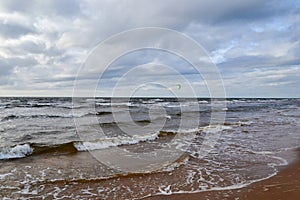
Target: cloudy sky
(253,43)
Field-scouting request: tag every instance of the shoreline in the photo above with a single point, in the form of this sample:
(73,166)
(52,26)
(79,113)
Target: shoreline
(284,185)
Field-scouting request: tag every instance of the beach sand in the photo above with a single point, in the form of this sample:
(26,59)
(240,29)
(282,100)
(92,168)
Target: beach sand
(285,185)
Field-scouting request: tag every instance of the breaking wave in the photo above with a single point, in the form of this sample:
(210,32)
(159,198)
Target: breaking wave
(18,151)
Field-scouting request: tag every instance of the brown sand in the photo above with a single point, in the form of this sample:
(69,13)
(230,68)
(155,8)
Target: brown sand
(285,186)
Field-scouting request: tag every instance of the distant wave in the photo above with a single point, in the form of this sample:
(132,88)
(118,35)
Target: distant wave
(203,102)
(239,123)
(103,113)
(11,117)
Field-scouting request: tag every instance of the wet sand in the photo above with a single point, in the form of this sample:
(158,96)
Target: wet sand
(285,185)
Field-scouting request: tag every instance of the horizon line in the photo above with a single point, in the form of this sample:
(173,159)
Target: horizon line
(231,97)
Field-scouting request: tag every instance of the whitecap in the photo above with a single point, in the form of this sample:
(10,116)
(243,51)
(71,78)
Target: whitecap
(105,143)
(18,151)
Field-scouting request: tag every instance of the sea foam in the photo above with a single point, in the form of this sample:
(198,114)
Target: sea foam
(18,151)
(113,142)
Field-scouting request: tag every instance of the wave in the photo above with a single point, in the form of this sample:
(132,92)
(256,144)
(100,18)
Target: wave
(238,123)
(290,113)
(205,129)
(203,102)
(29,105)
(12,117)
(69,106)
(139,121)
(115,104)
(37,105)
(97,100)
(23,150)
(40,105)
(103,113)
(146,121)
(18,151)
(113,142)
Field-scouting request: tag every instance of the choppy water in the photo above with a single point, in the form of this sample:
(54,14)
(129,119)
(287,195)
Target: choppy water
(44,143)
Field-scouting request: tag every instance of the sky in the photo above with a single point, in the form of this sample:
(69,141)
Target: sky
(254,45)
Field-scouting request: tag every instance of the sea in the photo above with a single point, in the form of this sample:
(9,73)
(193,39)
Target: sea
(104,148)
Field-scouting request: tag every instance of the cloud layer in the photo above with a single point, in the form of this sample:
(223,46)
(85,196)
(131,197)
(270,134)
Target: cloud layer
(254,43)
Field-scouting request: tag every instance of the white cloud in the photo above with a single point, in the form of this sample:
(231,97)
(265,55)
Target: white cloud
(43,44)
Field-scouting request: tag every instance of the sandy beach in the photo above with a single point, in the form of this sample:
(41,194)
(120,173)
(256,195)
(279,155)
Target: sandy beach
(285,185)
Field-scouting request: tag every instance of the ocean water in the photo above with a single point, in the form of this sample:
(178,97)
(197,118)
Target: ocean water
(59,148)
